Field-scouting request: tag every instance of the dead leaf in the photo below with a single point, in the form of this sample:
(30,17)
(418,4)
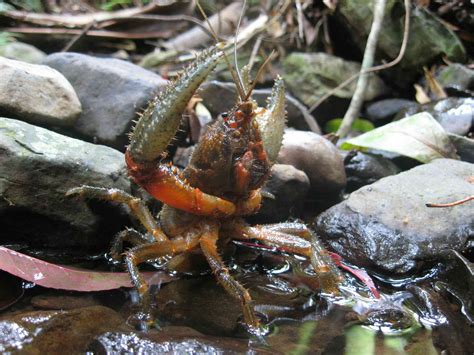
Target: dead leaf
(67,278)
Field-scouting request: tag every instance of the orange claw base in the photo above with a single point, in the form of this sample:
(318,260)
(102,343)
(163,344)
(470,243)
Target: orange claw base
(163,183)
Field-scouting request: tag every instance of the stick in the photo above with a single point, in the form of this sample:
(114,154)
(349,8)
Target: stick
(451,204)
(367,62)
(74,40)
(394,62)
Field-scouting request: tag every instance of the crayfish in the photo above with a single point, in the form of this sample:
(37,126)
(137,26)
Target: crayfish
(205,204)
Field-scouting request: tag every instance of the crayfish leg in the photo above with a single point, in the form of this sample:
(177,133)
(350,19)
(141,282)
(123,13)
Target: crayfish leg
(136,205)
(233,287)
(297,239)
(130,236)
(152,251)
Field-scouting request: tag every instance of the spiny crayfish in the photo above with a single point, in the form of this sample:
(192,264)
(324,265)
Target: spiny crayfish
(205,204)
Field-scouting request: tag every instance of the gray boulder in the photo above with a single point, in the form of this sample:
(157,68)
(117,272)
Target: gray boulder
(364,169)
(37,167)
(37,94)
(22,51)
(457,78)
(290,187)
(386,109)
(310,76)
(317,157)
(111,91)
(455,114)
(387,226)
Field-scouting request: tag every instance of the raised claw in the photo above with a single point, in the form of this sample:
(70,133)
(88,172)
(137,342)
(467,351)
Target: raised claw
(160,121)
(272,119)
(155,130)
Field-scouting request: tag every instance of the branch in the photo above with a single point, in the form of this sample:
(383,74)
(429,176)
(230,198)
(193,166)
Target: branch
(451,204)
(367,62)
(394,62)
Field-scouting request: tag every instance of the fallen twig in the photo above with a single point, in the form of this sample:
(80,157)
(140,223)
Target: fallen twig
(225,20)
(451,204)
(74,40)
(367,62)
(81,20)
(394,62)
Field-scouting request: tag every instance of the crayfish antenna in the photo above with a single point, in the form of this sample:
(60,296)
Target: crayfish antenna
(235,76)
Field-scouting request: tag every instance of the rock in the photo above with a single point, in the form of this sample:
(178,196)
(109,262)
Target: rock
(111,91)
(169,340)
(204,304)
(220,97)
(37,167)
(387,226)
(22,51)
(456,115)
(290,187)
(182,156)
(457,78)
(464,147)
(37,93)
(317,157)
(385,110)
(63,302)
(56,332)
(310,76)
(364,169)
(429,37)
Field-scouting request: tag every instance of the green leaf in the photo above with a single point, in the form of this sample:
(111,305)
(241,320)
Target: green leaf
(419,137)
(359,125)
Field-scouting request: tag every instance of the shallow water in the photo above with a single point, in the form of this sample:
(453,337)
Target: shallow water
(195,315)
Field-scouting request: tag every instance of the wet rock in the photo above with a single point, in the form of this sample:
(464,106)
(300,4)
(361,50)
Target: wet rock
(317,157)
(429,37)
(385,110)
(22,51)
(309,76)
(11,291)
(37,167)
(182,156)
(37,93)
(56,332)
(364,169)
(63,302)
(456,115)
(387,226)
(457,79)
(220,97)
(464,147)
(111,91)
(290,187)
(204,305)
(169,340)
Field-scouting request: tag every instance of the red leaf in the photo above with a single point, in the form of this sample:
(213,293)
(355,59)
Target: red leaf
(67,278)
(362,275)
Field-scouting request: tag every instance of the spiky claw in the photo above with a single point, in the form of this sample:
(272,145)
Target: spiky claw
(271,120)
(155,130)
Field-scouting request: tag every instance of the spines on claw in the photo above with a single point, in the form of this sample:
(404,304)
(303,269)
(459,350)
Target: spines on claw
(272,120)
(160,121)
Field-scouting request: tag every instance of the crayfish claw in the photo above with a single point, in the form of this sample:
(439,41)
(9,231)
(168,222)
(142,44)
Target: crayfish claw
(271,121)
(161,119)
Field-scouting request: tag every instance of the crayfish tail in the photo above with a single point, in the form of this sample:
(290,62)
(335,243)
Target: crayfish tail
(159,122)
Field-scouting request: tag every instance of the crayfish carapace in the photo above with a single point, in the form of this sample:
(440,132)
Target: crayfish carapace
(205,204)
